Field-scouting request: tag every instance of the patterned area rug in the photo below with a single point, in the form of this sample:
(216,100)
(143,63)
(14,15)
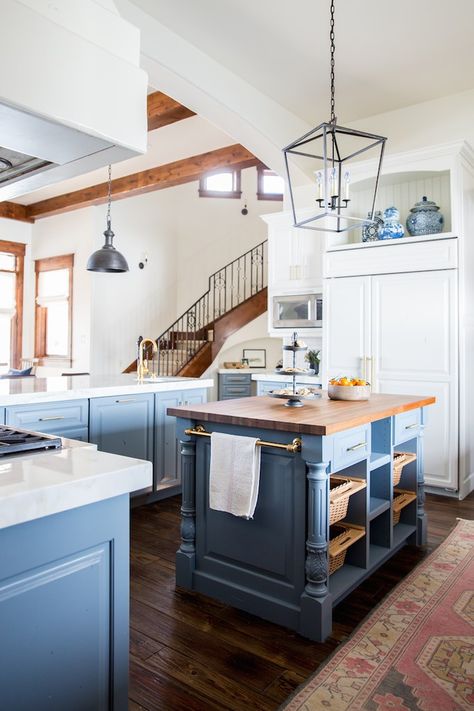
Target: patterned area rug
(416,650)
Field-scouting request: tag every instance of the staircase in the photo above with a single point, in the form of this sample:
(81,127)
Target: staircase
(236,295)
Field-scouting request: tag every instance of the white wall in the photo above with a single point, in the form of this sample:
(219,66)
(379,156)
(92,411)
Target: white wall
(443,120)
(212,232)
(139,302)
(186,238)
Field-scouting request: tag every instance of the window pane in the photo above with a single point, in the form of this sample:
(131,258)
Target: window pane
(53,283)
(7,261)
(273,184)
(57,328)
(7,290)
(221,182)
(5,345)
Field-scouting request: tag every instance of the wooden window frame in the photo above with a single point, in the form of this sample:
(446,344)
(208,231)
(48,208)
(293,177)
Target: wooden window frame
(236,192)
(261,195)
(18,251)
(49,264)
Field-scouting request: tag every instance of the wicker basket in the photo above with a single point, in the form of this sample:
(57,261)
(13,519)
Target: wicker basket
(402,499)
(345,534)
(400,459)
(341,489)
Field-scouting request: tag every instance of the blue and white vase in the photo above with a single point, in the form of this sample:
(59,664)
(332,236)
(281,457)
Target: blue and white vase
(425,218)
(370,229)
(392,228)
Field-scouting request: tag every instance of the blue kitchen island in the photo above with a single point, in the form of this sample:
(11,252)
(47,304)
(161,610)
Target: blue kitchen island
(64,578)
(288,564)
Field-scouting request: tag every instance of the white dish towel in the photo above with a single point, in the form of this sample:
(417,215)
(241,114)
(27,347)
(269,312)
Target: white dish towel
(234,474)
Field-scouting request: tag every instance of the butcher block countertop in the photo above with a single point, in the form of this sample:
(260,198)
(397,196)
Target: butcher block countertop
(318,417)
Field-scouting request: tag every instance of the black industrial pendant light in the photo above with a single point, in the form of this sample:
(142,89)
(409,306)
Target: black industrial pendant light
(326,152)
(107,259)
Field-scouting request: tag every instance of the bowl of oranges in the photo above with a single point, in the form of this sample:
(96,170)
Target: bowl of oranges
(348,389)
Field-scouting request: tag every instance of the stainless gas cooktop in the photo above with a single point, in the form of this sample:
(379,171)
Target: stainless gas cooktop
(13,441)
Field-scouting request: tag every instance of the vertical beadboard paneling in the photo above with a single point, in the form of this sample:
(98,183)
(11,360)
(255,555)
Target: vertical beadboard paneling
(403,191)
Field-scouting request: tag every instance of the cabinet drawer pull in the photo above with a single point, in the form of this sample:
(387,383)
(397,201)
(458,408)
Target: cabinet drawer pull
(411,427)
(127,400)
(356,446)
(51,417)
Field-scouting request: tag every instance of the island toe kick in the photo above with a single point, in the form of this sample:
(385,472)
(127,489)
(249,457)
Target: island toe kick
(330,511)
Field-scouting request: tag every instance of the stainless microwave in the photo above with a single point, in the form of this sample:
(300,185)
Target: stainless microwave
(298,311)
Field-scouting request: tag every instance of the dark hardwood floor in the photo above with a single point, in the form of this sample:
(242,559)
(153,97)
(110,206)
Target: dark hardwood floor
(191,653)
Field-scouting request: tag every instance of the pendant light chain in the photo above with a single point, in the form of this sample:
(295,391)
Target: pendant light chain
(333,49)
(109,196)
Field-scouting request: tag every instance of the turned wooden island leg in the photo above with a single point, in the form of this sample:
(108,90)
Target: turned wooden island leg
(421,519)
(316,603)
(186,555)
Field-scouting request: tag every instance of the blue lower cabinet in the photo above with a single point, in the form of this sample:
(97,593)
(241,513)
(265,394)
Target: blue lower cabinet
(2,415)
(123,425)
(64,611)
(56,418)
(232,385)
(81,434)
(166,470)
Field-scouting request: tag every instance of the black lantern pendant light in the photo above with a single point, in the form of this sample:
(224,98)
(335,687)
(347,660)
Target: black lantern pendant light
(107,259)
(326,151)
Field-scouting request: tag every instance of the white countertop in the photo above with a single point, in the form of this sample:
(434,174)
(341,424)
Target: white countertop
(37,484)
(276,377)
(19,391)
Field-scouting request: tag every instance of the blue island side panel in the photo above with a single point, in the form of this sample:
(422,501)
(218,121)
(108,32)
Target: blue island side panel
(64,610)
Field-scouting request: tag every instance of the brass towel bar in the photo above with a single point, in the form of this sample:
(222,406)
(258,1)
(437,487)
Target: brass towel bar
(293,447)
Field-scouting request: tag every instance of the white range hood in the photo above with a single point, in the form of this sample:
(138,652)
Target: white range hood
(72,94)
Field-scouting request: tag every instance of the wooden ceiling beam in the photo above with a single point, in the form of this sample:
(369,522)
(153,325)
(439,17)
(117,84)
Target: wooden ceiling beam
(14,211)
(163,110)
(163,176)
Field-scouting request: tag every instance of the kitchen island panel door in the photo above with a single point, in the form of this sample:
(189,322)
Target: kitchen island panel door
(2,415)
(166,469)
(123,425)
(59,613)
(167,460)
(267,551)
(64,610)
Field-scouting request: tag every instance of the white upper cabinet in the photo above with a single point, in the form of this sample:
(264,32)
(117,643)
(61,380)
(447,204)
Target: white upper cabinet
(294,256)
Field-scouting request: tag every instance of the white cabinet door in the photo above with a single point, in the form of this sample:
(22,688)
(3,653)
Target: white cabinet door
(347,326)
(414,352)
(295,260)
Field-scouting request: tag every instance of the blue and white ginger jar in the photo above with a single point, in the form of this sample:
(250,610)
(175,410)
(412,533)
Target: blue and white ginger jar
(425,218)
(392,228)
(370,229)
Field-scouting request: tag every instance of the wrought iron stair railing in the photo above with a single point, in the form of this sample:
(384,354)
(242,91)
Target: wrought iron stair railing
(229,287)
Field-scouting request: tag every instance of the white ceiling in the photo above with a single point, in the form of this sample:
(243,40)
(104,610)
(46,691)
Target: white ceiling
(389,53)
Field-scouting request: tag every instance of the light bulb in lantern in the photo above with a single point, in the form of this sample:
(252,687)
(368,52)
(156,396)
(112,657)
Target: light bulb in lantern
(334,182)
(347,180)
(319,183)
